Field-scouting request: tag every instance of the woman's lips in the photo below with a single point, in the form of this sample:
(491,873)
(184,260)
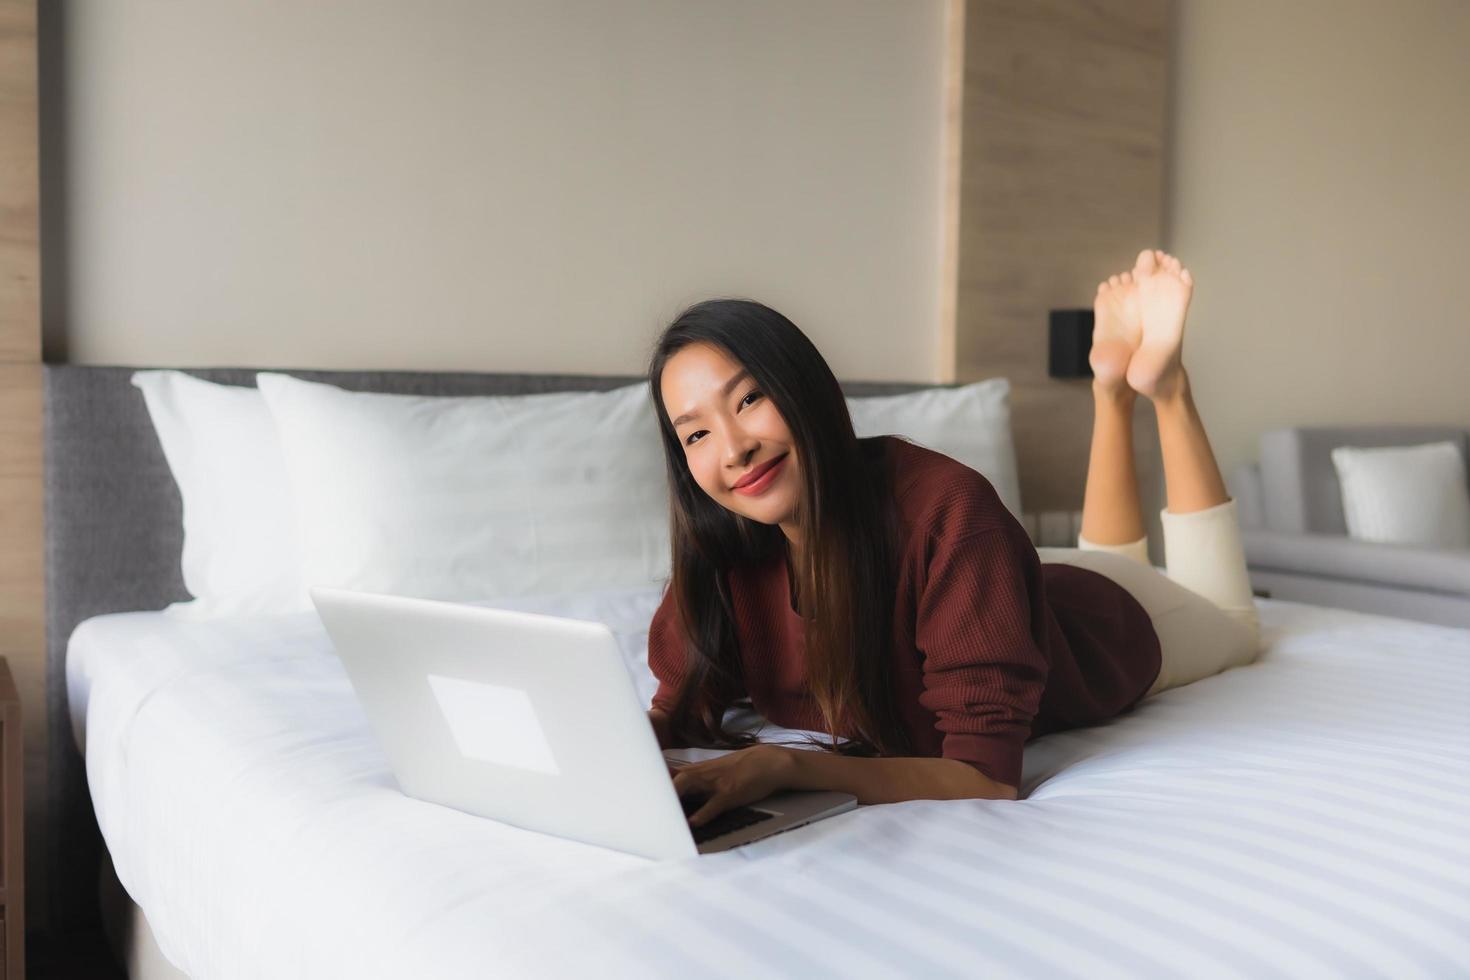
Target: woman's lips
(764,481)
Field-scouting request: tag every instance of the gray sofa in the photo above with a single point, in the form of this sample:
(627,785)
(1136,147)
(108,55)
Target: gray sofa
(1296,543)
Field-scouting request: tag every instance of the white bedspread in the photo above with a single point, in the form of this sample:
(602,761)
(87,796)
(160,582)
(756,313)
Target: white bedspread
(1305,816)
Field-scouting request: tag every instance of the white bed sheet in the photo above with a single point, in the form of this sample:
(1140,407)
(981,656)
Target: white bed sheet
(1304,816)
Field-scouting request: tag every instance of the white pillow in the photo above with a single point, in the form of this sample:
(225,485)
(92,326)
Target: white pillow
(239,554)
(1405,494)
(970,423)
(242,555)
(468,497)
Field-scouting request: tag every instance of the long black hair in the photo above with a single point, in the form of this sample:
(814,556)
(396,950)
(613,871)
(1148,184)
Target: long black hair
(845,511)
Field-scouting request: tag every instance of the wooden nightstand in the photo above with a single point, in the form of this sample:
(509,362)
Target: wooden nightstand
(12,836)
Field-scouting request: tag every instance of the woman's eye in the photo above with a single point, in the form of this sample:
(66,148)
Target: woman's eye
(754,393)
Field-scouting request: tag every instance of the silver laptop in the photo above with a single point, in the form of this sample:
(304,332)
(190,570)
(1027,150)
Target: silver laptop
(531,720)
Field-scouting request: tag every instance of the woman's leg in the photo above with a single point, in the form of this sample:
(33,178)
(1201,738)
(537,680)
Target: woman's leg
(1197,639)
(1112,519)
(1137,348)
(1203,612)
(1156,369)
(1111,514)
(1202,545)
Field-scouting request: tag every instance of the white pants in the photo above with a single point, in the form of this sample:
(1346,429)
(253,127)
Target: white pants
(1201,606)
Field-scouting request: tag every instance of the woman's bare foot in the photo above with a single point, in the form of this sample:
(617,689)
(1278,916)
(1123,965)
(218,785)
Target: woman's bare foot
(1164,288)
(1116,332)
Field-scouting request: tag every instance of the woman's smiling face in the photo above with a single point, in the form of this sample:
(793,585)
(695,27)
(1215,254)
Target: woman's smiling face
(730,431)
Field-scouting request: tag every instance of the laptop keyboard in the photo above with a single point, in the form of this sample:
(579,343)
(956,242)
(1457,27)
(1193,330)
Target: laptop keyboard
(726,823)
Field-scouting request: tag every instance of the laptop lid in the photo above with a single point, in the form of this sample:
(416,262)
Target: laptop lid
(528,719)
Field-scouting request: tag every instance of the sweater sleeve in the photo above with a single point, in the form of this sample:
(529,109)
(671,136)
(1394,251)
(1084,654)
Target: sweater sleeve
(666,652)
(978,624)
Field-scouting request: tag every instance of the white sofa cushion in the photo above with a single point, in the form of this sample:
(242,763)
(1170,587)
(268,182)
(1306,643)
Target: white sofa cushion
(1411,495)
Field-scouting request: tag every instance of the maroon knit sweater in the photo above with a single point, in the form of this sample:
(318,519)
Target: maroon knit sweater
(992,647)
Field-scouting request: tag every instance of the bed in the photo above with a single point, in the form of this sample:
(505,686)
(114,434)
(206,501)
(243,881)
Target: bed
(1304,816)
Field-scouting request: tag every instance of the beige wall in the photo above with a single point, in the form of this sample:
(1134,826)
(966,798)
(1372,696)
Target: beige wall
(531,186)
(1321,192)
(517,186)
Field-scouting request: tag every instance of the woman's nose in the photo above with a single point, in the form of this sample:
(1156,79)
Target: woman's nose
(741,446)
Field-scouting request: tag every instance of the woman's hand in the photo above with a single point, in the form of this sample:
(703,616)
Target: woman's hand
(735,779)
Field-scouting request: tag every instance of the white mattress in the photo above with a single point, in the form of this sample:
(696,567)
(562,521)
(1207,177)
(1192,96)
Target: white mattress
(1304,816)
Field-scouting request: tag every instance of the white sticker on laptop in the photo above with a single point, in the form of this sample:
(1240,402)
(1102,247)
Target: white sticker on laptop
(493,723)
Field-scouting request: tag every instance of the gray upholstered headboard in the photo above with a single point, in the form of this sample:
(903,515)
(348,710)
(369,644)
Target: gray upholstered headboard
(114,536)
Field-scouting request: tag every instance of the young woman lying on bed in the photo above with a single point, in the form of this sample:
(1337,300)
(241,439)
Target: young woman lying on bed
(882,593)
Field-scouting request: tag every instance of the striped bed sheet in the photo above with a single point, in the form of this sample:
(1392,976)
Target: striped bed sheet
(1301,817)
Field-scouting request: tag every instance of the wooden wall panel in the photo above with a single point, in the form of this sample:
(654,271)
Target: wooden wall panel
(1062,182)
(22,629)
(20,272)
